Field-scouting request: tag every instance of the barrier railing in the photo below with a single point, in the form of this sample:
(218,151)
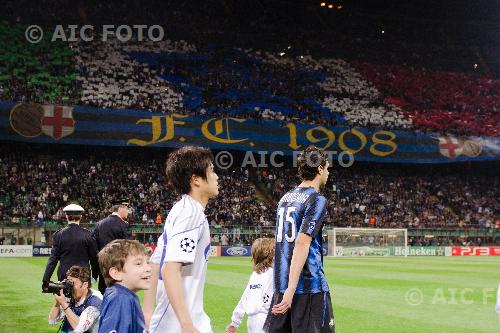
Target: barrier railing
(49,227)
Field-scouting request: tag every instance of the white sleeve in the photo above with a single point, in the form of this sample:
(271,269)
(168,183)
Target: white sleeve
(59,318)
(268,289)
(239,311)
(87,319)
(181,245)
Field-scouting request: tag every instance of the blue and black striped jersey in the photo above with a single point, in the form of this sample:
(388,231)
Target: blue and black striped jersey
(302,209)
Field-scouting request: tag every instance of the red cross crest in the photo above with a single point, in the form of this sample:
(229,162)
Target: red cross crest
(58,121)
(450,147)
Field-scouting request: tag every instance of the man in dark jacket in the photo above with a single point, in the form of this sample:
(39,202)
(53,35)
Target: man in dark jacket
(72,246)
(115,226)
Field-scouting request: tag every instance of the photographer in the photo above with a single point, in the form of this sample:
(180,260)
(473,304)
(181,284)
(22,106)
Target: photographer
(81,312)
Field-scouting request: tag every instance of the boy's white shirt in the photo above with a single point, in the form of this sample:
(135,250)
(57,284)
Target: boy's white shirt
(256,298)
(185,239)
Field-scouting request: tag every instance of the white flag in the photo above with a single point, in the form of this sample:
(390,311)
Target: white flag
(498,300)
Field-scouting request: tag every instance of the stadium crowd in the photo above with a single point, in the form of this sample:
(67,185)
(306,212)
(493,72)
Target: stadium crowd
(38,187)
(387,198)
(367,78)
(440,101)
(178,76)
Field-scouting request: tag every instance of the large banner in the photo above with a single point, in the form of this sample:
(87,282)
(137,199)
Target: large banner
(16,251)
(476,251)
(91,126)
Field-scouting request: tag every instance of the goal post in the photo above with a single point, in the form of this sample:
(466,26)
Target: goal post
(369,242)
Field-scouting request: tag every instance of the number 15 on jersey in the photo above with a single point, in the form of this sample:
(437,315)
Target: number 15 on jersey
(285,214)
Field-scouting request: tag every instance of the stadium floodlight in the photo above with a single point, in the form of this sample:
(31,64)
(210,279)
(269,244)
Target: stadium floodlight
(367,242)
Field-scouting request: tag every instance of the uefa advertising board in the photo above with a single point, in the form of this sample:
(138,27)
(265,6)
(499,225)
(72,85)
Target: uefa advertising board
(16,251)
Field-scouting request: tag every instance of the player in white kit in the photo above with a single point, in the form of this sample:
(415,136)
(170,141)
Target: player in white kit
(182,249)
(257,296)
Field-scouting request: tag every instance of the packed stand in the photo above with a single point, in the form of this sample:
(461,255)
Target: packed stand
(37,187)
(111,79)
(390,198)
(177,76)
(440,101)
(35,73)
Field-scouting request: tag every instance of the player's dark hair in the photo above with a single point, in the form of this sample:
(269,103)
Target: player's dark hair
(81,273)
(309,161)
(115,254)
(185,162)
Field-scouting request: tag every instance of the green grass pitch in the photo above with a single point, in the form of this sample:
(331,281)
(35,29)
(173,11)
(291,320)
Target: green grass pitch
(414,294)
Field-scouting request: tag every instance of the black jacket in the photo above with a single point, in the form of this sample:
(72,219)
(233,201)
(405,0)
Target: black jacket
(109,229)
(72,245)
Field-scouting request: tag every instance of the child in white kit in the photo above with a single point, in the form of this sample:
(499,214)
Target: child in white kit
(257,296)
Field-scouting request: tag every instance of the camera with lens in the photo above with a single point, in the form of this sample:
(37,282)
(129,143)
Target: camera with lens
(54,287)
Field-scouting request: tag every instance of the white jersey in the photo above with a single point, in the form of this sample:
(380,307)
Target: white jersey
(255,301)
(185,239)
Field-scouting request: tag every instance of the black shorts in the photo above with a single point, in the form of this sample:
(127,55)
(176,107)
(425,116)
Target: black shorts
(310,313)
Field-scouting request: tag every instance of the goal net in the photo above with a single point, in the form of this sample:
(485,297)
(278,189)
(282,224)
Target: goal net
(355,242)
